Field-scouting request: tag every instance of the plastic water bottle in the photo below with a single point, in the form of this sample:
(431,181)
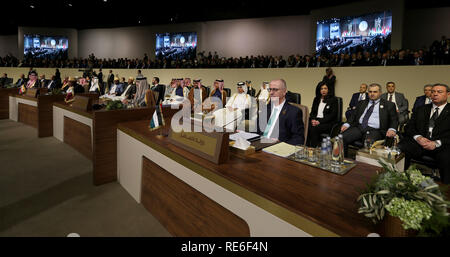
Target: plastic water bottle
(329,146)
(341,148)
(323,155)
(367,143)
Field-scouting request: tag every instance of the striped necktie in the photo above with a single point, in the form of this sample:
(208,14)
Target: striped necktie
(272,118)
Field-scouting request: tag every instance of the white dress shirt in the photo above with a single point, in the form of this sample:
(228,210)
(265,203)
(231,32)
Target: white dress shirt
(322,105)
(440,108)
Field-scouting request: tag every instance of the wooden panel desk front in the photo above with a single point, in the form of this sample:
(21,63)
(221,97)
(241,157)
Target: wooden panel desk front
(103,135)
(37,112)
(4,101)
(273,195)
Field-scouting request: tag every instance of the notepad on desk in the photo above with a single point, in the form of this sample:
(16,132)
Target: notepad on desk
(244,135)
(281,149)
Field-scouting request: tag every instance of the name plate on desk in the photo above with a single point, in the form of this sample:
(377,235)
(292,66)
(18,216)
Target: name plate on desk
(32,92)
(210,146)
(82,103)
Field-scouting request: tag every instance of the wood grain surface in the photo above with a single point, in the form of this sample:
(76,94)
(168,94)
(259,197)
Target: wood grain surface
(324,198)
(105,140)
(4,101)
(78,135)
(28,114)
(183,210)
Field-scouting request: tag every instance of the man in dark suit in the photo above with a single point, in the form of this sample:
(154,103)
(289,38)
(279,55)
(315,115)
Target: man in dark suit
(428,132)
(100,77)
(160,88)
(356,97)
(43,81)
(374,118)
(110,80)
(52,84)
(3,80)
(424,99)
(284,121)
(20,81)
(399,100)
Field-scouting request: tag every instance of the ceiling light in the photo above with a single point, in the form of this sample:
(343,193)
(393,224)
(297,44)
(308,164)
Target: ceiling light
(70,5)
(32,6)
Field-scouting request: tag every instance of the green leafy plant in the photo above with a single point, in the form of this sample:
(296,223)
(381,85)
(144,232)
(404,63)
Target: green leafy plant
(56,91)
(413,198)
(115,105)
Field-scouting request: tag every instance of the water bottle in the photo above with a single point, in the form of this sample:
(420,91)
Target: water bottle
(367,143)
(341,148)
(329,146)
(323,155)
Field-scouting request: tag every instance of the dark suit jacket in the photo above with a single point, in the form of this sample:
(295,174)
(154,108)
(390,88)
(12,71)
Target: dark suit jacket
(388,115)
(419,123)
(290,122)
(161,89)
(354,101)
(44,83)
(420,101)
(400,100)
(329,113)
(20,82)
(53,85)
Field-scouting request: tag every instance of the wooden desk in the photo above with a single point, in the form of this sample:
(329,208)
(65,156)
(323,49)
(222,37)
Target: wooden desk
(94,134)
(73,127)
(275,196)
(4,101)
(36,112)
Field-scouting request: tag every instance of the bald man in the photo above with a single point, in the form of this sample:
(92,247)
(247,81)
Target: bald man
(284,121)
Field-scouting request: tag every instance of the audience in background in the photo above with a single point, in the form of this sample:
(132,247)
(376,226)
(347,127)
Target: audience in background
(425,98)
(356,97)
(401,104)
(436,54)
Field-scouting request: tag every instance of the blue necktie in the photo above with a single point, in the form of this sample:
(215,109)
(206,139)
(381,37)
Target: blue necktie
(360,97)
(365,121)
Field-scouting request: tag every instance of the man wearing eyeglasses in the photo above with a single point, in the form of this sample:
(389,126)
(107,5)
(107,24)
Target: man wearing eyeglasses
(284,121)
(427,133)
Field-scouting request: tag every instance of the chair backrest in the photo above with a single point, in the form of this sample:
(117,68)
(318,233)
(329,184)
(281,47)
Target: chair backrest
(150,98)
(208,90)
(339,112)
(156,95)
(228,91)
(305,117)
(292,97)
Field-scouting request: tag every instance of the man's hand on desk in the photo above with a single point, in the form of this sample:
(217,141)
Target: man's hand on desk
(343,128)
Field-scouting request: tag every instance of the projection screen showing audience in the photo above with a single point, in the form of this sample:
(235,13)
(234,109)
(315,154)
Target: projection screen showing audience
(347,35)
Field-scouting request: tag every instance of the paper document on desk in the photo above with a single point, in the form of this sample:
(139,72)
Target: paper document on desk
(244,135)
(281,149)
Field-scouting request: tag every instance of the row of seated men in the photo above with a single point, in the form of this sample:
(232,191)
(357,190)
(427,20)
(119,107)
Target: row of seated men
(376,116)
(371,113)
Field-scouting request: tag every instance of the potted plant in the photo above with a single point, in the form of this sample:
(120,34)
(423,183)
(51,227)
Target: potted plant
(405,203)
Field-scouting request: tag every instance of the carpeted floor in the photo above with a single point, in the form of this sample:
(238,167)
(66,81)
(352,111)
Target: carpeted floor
(46,190)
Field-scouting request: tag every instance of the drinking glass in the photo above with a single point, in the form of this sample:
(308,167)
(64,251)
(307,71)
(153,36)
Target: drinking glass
(299,152)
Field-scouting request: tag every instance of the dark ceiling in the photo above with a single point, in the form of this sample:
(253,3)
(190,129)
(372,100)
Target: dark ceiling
(84,14)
